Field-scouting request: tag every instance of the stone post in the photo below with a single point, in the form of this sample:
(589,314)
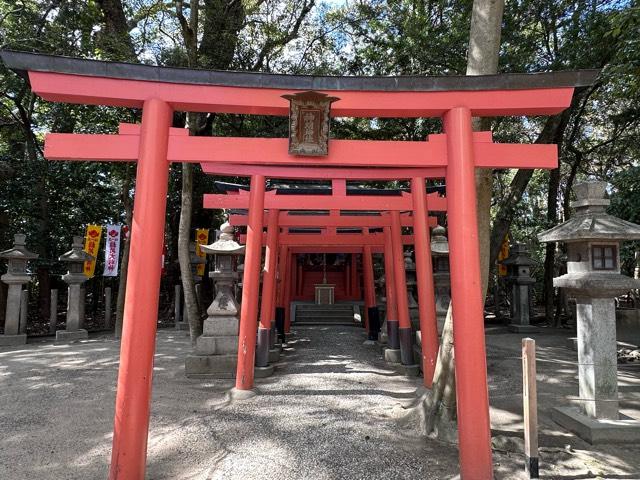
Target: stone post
(24,310)
(107,308)
(593,278)
(216,349)
(74,278)
(179,320)
(16,277)
(53,311)
(518,265)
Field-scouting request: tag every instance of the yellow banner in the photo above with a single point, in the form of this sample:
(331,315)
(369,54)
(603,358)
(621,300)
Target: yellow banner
(202,237)
(504,253)
(91,246)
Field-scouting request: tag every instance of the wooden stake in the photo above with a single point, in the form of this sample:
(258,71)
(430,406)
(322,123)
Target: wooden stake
(530,406)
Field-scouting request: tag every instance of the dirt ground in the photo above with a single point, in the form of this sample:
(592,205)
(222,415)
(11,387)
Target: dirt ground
(331,411)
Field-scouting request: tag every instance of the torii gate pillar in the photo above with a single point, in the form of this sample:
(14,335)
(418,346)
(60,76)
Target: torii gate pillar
(251,286)
(133,395)
(373,315)
(391,354)
(474,430)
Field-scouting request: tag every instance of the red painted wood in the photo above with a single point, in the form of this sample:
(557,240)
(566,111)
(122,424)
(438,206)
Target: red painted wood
(269,272)
(389,272)
(274,151)
(345,221)
(368,277)
(341,240)
(59,87)
(474,432)
(250,287)
(424,276)
(399,272)
(133,394)
(325,202)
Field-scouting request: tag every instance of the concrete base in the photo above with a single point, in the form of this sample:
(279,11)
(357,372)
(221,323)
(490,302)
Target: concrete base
(182,326)
(392,355)
(263,372)
(211,366)
(11,340)
(625,430)
(514,327)
(63,336)
(274,355)
(237,394)
(409,370)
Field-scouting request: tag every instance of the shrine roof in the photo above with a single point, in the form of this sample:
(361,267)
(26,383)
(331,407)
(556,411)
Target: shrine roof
(23,62)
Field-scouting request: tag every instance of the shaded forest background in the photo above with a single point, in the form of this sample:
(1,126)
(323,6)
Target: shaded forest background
(51,201)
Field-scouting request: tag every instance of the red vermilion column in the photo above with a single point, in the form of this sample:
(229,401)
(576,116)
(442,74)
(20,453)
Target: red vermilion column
(474,431)
(268,286)
(404,330)
(424,274)
(390,286)
(250,286)
(282,281)
(369,293)
(133,396)
(354,277)
(290,268)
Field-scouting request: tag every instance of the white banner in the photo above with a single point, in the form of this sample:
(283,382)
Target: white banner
(111,251)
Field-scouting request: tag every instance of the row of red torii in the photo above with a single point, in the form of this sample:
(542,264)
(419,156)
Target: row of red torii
(453,155)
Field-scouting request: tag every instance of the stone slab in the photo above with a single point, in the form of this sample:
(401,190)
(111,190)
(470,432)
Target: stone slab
(12,340)
(218,345)
(220,326)
(274,355)
(517,328)
(263,372)
(210,366)
(392,355)
(63,336)
(624,430)
(409,370)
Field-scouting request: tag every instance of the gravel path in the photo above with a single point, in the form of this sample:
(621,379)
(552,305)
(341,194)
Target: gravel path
(329,412)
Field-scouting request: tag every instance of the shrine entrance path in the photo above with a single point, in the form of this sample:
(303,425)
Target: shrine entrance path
(328,413)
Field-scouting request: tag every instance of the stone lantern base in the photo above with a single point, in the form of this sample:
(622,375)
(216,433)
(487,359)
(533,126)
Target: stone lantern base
(66,336)
(216,353)
(518,328)
(12,340)
(595,431)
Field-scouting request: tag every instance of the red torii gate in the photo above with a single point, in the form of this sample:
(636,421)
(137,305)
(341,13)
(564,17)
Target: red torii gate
(160,91)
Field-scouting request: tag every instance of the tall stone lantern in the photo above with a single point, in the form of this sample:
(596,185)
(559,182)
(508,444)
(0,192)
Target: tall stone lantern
(217,348)
(441,275)
(593,278)
(16,276)
(519,265)
(74,278)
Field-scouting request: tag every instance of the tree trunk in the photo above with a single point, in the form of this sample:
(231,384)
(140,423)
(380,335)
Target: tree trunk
(124,264)
(550,251)
(484,47)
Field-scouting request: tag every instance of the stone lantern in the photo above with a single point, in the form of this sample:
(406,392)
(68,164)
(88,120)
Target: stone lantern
(441,275)
(519,265)
(593,278)
(217,348)
(16,276)
(411,281)
(75,277)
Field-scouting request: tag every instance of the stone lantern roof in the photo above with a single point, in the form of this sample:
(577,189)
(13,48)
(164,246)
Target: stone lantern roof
(590,221)
(439,242)
(76,254)
(518,256)
(226,244)
(18,251)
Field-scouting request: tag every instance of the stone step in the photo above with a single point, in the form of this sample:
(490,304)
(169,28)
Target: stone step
(351,324)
